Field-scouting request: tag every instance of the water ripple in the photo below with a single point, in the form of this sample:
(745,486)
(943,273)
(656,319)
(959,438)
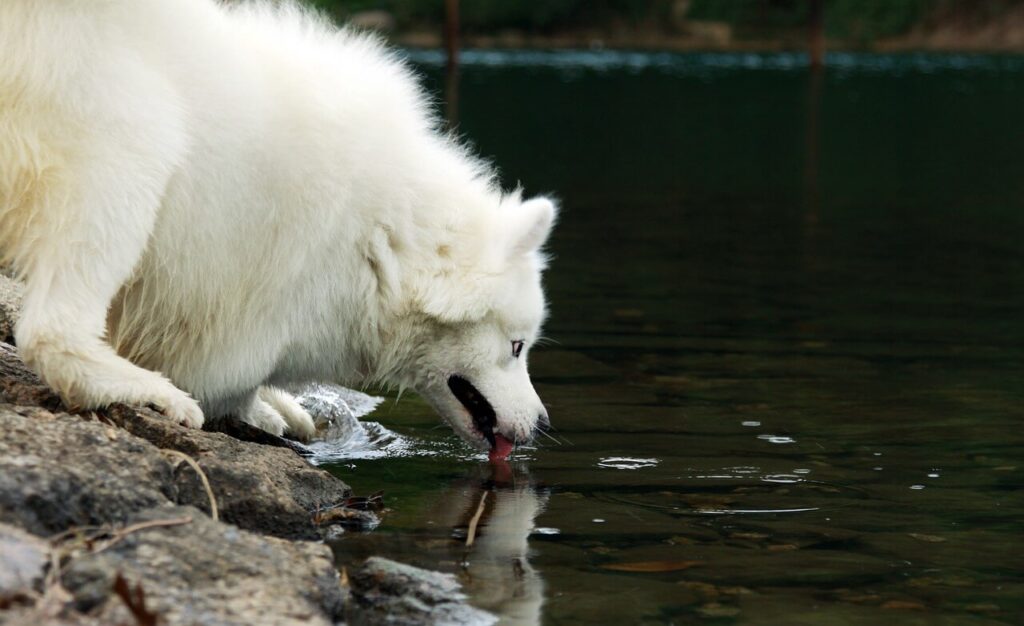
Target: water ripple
(622,462)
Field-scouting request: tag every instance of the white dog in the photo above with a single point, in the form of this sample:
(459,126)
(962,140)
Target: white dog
(207,201)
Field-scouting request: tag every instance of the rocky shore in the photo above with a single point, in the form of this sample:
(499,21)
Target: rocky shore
(120,517)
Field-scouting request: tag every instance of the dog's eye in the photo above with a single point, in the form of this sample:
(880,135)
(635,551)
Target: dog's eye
(517,347)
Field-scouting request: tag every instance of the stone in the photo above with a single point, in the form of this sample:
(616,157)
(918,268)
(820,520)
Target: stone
(58,471)
(92,472)
(23,562)
(210,573)
(263,488)
(386,592)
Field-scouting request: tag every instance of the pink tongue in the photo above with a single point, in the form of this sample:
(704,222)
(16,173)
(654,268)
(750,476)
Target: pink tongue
(502,448)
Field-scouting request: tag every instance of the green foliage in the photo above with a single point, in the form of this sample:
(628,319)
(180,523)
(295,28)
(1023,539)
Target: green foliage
(491,15)
(870,19)
(752,13)
(859,20)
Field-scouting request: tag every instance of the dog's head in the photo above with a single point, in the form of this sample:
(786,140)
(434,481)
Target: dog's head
(480,305)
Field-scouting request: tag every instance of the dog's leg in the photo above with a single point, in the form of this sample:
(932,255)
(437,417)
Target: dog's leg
(255,412)
(79,244)
(299,421)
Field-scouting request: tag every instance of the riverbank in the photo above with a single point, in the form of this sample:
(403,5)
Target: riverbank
(944,32)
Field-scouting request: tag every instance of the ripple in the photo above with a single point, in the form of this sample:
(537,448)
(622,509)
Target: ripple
(624,462)
(754,511)
(782,478)
(546,531)
(776,438)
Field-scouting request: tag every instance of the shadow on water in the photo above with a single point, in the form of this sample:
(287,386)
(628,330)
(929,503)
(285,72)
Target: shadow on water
(788,346)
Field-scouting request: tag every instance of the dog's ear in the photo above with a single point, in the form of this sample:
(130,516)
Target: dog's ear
(529,225)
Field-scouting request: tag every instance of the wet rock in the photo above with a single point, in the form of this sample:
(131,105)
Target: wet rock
(386,592)
(205,572)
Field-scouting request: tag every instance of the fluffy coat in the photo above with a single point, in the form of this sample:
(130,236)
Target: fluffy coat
(209,201)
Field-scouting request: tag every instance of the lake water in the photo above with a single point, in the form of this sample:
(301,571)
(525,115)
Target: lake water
(787,357)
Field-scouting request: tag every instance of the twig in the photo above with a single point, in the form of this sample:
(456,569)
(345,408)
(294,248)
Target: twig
(202,477)
(135,600)
(65,546)
(471,531)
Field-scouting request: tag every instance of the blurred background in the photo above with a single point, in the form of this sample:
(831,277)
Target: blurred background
(981,25)
(786,343)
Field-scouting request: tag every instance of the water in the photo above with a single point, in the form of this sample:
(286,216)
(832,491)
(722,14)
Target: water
(788,369)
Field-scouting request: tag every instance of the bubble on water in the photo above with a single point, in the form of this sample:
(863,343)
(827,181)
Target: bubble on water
(917,487)
(801,470)
(776,438)
(877,453)
(933,475)
(625,462)
(750,423)
(878,468)
(598,520)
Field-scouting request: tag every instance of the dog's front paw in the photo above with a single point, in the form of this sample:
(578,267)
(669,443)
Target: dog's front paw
(298,420)
(265,417)
(181,408)
(300,425)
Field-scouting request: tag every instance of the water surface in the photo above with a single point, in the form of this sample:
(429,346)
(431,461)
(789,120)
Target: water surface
(787,368)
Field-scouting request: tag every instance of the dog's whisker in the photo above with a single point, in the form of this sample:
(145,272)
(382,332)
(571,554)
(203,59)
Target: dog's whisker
(549,436)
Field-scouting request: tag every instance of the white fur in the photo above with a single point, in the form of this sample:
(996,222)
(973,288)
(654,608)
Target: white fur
(244,196)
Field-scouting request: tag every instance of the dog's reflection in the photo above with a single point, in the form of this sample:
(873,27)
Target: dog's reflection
(490,515)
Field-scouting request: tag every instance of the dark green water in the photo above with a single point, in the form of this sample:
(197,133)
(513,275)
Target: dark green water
(788,357)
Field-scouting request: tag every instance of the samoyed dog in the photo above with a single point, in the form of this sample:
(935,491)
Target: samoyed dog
(209,202)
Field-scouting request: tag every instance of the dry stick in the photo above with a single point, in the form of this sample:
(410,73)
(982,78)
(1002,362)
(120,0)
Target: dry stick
(54,595)
(202,477)
(471,532)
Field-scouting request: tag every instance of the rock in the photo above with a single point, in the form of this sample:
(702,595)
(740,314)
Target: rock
(23,561)
(18,385)
(58,471)
(209,573)
(262,488)
(386,592)
(62,470)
